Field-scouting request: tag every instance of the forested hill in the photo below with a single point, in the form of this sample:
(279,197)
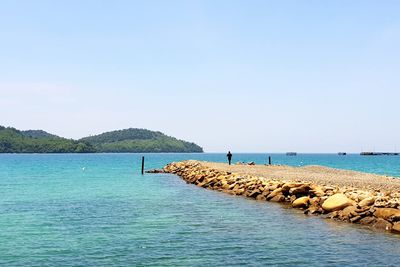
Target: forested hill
(129,140)
(139,140)
(37,141)
(38,134)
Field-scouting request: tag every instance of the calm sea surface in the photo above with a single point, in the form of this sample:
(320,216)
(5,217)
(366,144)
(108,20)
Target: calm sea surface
(97,210)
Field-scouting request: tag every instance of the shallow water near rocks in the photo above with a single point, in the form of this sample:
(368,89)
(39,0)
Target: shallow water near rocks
(97,210)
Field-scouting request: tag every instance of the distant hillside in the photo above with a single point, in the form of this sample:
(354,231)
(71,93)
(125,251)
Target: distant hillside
(139,140)
(129,140)
(37,141)
(38,134)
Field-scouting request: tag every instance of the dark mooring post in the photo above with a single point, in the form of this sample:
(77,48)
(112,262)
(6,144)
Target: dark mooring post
(269,160)
(142,165)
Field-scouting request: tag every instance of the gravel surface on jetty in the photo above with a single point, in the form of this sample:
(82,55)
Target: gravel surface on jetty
(314,174)
(349,196)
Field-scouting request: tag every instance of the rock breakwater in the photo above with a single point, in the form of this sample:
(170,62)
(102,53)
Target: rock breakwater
(376,208)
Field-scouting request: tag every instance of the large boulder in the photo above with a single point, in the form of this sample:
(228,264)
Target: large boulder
(238,191)
(336,202)
(287,186)
(272,187)
(253,193)
(368,220)
(367,202)
(383,224)
(301,202)
(278,198)
(261,197)
(350,210)
(274,193)
(387,213)
(347,213)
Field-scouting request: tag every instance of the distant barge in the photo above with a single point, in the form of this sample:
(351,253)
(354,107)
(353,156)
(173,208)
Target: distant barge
(379,154)
(342,153)
(291,154)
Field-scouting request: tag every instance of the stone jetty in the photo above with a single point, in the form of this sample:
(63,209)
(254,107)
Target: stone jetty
(375,206)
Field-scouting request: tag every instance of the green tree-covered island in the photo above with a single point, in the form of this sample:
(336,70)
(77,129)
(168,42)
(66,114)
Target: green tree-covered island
(129,140)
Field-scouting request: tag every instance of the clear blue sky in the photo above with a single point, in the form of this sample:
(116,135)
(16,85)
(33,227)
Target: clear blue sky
(255,76)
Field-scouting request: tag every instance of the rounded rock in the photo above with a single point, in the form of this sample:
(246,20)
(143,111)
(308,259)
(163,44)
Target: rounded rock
(387,213)
(301,202)
(367,202)
(336,202)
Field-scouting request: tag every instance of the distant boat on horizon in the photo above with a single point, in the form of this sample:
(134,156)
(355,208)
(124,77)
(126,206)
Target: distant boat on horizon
(342,153)
(291,153)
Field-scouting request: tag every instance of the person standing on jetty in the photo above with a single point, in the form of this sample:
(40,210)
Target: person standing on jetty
(229,156)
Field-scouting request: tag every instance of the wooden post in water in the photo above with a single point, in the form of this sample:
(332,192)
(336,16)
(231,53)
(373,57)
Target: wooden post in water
(269,160)
(142,165)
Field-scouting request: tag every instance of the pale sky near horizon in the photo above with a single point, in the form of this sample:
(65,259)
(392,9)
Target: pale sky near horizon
(249,76)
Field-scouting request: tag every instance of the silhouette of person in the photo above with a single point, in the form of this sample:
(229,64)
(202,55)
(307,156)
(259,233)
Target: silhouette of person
(229,156)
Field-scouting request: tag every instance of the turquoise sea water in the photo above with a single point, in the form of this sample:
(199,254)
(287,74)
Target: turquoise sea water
(97,210)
